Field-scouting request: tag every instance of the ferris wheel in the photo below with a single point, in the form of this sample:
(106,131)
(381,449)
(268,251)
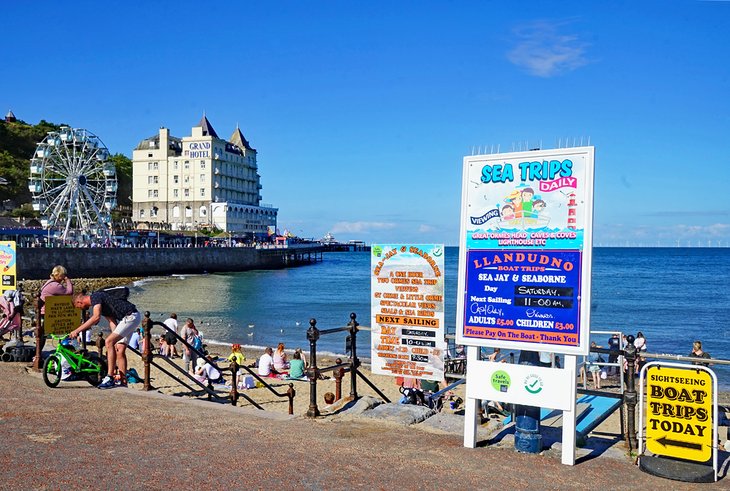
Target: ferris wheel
(73,184)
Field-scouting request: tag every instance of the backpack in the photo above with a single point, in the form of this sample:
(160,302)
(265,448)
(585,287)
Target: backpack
(197,343)
(120,292)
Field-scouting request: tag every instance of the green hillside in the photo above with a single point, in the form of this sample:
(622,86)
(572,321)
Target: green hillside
(18,141)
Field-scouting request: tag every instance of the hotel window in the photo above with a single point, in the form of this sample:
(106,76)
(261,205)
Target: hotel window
(187,193)
(202,177)
(153,211)
(202,164)
(175,165)
(152,179)
(176,212)
(176,179)
(202,192)
(175,193)
(152,165)
(187,164)
(188,212)
(187,179)
(141,213)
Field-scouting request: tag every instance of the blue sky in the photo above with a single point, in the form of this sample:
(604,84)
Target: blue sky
(363,112)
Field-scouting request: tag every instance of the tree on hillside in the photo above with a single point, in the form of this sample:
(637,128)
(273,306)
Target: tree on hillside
(18,141)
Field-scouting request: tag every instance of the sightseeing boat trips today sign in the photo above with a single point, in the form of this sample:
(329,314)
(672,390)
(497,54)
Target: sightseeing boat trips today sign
(525,255)
(407,308)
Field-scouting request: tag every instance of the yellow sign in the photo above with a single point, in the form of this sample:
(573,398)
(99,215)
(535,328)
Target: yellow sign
(679,413)
(8,257)
(61,316)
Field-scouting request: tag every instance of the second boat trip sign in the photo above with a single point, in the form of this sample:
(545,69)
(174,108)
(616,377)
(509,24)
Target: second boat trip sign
(525,255)
(407,308)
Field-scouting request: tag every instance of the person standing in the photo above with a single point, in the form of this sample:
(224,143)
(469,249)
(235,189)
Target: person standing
(58,284)
(698,353)
(171,340)
(123,319)
(189,332)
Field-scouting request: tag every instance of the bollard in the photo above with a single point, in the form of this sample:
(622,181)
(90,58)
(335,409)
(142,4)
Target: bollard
(630,396)
(339,373)
(527,421)
(312,372)
(234,382)
(354,362)
(290,393)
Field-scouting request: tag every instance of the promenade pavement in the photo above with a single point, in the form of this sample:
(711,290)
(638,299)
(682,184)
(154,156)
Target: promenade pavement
(79,437)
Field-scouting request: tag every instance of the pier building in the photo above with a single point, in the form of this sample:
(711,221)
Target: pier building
(199,181)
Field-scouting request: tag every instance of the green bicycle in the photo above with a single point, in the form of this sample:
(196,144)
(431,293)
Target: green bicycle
(88,366)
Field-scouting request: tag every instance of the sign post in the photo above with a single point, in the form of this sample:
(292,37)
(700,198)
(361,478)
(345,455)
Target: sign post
(681,413)
(525,275)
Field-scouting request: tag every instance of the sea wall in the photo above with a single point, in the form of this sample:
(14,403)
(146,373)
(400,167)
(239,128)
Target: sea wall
(36,263)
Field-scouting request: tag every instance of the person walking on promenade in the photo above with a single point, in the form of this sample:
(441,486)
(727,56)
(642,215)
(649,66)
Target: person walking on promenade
(59,284)
(123,319)
(698,353)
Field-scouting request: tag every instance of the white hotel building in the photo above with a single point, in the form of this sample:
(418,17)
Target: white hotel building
(199,181)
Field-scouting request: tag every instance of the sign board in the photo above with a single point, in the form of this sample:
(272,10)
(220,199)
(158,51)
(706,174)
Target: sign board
(407,309)
(61,316)
(8,257)
(519,384)
(679,412)
(525,250)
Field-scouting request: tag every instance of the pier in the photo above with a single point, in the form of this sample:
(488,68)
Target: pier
(35,263)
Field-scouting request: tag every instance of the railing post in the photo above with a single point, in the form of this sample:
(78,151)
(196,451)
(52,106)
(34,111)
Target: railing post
(354,362)
(312,371)
(147,351)
(630,396)
(234,382)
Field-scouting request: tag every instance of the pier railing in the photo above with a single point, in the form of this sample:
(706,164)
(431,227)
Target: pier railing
(314,372)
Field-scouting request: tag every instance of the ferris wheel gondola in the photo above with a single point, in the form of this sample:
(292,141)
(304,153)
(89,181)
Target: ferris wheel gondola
(74,185)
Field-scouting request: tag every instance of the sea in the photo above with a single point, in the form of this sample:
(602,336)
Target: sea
(674,296)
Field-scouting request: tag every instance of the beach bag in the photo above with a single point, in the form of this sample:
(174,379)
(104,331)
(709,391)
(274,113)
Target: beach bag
(197,343)
(133,377)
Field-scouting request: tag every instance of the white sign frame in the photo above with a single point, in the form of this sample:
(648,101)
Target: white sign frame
(558,383)
(472,192)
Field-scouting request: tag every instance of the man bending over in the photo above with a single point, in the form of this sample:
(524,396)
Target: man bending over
(123,321)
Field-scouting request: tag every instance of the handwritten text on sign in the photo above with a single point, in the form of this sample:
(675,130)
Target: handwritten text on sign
(679,413)
(407,308)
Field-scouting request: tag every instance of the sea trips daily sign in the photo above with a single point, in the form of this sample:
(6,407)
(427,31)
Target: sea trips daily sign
(525,256)
(407,309)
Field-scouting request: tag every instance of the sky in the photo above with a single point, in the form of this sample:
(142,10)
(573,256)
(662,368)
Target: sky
(362,112)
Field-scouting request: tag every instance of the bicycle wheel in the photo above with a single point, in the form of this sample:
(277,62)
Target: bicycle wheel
(95,378)
(52,371)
